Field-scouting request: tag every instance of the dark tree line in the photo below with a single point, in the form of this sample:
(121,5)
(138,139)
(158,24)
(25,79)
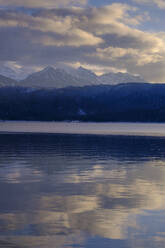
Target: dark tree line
(123,102)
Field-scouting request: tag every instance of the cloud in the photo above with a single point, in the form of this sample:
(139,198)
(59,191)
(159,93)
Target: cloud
(159,3)
(116,11)
(76,37)
(102,38)
(110,199)
(107,208)
(139,58)
(41,3)
(61,31)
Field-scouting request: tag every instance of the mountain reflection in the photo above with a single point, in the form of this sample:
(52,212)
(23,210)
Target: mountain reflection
(82,191)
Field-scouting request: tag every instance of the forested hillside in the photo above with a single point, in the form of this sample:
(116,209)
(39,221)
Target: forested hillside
(123,102)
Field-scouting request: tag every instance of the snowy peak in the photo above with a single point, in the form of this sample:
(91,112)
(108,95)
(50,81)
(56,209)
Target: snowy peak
(117,78)
(47,69)
(84,76)
(50,77)
(82,70)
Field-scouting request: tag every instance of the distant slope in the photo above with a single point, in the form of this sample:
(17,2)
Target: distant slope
(123,102)
(118,78)
(17,74)
(5,81)
(8,72)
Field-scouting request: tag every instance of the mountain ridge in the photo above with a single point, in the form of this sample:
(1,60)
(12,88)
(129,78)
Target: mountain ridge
(51,77)
(59,78)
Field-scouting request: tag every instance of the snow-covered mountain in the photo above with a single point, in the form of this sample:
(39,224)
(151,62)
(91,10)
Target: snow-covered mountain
(59,78)
(50,78)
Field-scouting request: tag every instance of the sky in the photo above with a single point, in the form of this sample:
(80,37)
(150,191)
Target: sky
(100,35)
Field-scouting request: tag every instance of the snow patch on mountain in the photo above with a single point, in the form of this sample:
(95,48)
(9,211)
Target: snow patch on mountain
(117,78)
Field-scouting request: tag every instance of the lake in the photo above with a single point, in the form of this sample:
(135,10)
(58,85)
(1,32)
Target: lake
(88,185)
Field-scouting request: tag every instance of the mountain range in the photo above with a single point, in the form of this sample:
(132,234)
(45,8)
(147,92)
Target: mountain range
(51,77)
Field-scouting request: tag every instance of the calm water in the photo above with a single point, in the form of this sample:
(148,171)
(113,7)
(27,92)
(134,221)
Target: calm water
(125,128)
(88,191)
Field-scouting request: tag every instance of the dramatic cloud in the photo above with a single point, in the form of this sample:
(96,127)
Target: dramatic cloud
(42,3)
(138,57)
(99,37)
(141,48)
(61,30)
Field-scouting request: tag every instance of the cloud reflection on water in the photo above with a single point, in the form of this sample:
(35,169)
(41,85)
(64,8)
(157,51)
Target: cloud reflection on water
(67,190)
